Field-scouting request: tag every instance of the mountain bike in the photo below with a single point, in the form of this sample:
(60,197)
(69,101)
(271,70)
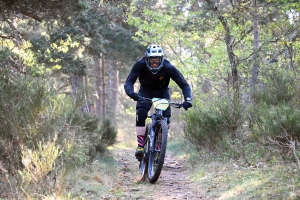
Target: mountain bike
(156,138)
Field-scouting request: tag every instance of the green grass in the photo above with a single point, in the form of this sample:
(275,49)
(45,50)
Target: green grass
(222,180)
(92,180)
(229,179)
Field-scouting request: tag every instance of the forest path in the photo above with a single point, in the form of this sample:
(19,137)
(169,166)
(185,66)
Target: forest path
(172,184)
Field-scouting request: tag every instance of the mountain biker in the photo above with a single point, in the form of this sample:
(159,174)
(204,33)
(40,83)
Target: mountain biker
(154,73)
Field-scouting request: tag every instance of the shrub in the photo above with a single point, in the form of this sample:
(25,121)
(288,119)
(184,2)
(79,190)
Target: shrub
(22,99)
(32,114)
(277,122)
(90,123)
(108,133)
(275,117)
(38,164)
(106,136)
(279,88)
(208,126)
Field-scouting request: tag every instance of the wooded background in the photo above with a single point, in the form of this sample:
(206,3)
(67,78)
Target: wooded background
(63,65)
(218,45)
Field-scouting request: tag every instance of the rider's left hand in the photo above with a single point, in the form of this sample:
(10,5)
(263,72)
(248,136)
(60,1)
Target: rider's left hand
(187,104)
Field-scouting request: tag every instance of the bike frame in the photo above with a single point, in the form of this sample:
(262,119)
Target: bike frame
(153,159)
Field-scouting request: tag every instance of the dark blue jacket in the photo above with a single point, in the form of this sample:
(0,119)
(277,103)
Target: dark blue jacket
(158,81)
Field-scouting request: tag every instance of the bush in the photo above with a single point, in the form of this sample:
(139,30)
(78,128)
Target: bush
(21,102)
(275,117)
(33,114)
(105,136)
(208,126)
(279,88)
(278,122)
(108,133)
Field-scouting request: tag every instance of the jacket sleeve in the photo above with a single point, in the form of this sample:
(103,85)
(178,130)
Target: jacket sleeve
(181,82)
(131,79)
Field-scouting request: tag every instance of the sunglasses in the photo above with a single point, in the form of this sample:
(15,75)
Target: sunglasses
(154,62)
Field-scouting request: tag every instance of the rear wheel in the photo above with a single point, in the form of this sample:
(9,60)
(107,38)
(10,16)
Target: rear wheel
(157,157)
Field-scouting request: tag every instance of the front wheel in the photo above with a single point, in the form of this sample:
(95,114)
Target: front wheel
(144,162)
(156,158)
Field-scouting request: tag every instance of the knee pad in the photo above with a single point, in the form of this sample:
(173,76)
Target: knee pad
(141,115)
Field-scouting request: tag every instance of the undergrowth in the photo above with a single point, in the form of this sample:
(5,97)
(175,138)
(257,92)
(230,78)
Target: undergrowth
(226,178)
(44,136)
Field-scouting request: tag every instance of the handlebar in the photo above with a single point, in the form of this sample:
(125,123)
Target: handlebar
(149,100)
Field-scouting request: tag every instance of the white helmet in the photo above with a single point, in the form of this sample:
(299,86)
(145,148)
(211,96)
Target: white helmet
(154,51)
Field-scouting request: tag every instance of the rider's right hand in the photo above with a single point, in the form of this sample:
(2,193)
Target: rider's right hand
(134,96)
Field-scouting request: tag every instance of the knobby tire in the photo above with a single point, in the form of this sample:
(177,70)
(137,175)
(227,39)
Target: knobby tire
(155,165)
(144,162)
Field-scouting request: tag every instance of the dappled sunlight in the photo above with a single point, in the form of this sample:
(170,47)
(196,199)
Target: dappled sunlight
(239,189)
(126,137)
(120,145)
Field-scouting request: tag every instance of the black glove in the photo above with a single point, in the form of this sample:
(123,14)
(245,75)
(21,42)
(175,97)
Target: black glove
(134,96)
(187,104)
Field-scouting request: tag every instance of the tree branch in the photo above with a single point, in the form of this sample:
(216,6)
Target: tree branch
(6,37)
(31,15)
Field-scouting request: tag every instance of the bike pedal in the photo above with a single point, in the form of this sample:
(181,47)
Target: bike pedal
(139,158)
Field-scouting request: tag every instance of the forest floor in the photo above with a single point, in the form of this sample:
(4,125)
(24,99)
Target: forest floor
(185,176)
(172,184)
(117,177)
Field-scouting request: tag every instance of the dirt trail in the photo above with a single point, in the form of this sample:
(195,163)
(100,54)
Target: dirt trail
(172,184)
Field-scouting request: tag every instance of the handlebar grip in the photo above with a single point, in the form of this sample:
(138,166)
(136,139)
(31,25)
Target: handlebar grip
(141,98)
(177,105)
(144,99)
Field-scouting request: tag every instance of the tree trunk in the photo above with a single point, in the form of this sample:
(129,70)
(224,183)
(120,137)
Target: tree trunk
(97,84)
(76,83)
(255,67)
(103,89)
(86,104)
(229,41)
(113,90)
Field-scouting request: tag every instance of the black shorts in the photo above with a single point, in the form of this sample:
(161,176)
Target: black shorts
(143,108)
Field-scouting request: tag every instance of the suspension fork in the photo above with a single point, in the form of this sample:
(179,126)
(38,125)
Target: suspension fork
(159,114)
(152,134)
(154,118)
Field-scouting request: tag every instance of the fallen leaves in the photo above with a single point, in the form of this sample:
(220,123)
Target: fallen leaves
(97,179)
